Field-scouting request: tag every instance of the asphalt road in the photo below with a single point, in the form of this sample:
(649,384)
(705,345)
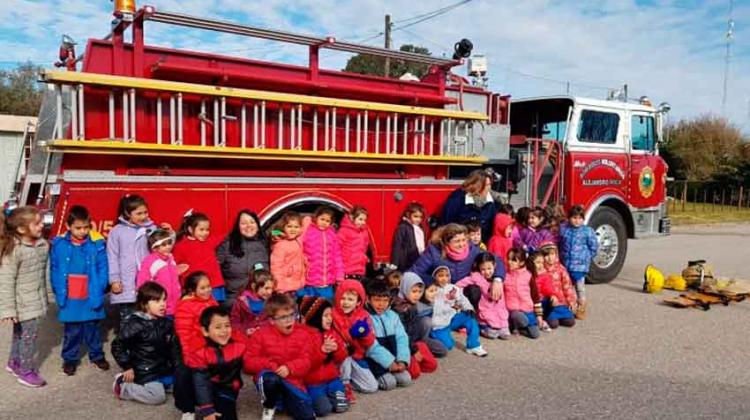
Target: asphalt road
(632,359)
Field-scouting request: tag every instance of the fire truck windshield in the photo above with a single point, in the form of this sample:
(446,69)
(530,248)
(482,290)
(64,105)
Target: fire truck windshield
(542,118)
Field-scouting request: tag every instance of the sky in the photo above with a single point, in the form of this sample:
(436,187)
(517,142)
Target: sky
(669,50)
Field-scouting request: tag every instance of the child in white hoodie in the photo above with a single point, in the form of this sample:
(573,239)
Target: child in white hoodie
(453,311)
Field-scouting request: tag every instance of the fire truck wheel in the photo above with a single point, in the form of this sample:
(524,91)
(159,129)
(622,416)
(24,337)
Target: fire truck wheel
(613,245)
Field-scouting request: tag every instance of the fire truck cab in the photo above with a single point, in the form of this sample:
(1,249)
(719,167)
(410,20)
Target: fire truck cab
(217,134)
(610,165)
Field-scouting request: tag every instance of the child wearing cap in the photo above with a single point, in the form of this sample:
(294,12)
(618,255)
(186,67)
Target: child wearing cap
(453,311)
(160,267)
(389,357)
(329,352)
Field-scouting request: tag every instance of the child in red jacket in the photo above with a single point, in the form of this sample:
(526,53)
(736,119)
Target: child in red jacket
(196,251)
(279,355)
(324,380)
(501,241)
(353,324)
(197,297)
(560,303)
(217,366)
(354,238)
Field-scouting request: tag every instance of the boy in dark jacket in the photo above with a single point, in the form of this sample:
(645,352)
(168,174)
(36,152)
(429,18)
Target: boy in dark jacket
(79,274)
(145,349)
(279,355)
(217,366)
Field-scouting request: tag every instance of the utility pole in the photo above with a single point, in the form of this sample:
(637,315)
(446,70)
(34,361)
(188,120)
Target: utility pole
(727,58)
(387,67)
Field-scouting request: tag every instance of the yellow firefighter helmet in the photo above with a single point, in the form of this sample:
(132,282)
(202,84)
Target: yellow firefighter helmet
(653,280)
(675,282)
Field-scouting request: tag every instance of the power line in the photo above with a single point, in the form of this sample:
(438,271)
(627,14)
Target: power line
(432,15)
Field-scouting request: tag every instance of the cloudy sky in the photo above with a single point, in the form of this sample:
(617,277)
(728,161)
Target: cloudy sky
(670,50)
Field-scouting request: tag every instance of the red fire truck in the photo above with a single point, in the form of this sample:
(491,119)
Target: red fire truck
(218,134)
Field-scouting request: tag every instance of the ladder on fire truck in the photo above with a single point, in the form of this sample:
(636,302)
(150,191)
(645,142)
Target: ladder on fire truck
(148,116)
(545,167)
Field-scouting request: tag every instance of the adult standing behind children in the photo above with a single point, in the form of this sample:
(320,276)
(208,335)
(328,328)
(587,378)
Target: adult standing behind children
(241,250)
(450,248)
(472,202)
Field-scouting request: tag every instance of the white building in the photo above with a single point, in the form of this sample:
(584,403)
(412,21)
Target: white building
(12,129)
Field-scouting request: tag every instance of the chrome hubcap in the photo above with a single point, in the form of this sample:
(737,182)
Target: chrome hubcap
(608,246)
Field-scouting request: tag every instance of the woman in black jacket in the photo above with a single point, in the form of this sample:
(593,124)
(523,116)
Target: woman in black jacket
(145,348)
(242,252)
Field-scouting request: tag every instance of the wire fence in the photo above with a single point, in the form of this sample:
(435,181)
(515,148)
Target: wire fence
(711,196)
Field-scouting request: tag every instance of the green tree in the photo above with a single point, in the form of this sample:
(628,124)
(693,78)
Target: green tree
(20,92)
(704,148)
(368,64)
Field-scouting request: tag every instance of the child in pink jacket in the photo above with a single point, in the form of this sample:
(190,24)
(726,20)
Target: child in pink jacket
(159,267)
(521,296)
(355,241)
(288,263)
(323,252)
(493,315)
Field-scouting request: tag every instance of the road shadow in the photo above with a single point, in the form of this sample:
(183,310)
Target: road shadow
(630,287)
(50,334)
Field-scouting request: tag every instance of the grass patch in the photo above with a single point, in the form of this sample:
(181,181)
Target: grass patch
(702,214)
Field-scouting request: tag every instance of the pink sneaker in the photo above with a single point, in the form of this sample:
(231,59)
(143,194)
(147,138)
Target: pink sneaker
(31,379)
(12,367)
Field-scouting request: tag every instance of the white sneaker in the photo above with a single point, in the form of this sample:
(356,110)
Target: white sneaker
(188,416)
(268,413)
(477,351)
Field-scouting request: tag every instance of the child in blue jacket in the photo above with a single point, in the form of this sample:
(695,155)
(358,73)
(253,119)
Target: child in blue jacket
(79,275)
(578,247)
(389,357)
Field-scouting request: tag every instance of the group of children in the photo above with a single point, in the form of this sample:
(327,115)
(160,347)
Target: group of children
(311,326)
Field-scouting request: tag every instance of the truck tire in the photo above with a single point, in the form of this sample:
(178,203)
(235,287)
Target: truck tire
(613,245)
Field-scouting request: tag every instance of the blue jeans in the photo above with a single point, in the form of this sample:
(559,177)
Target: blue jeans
(324,396)
(274,390)
(324,292)
(579,280)
(459,320)
(76,333)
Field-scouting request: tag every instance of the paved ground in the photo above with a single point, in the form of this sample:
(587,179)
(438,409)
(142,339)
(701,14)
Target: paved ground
(633,359)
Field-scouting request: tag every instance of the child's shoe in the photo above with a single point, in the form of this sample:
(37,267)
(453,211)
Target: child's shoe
(31,379)
(12,367)
(503,333)
(350,393)
(545,327)
(268,413)
(69,368)
(490,333)
(581,312)
(478,351)
(117,385)
(342,404)
(102,364)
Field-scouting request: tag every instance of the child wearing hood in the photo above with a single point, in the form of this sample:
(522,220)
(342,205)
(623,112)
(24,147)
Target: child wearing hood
(389,358)
(352,322)
(502,241)
(354,238)
(417,327)
(453,311)
(329,352)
